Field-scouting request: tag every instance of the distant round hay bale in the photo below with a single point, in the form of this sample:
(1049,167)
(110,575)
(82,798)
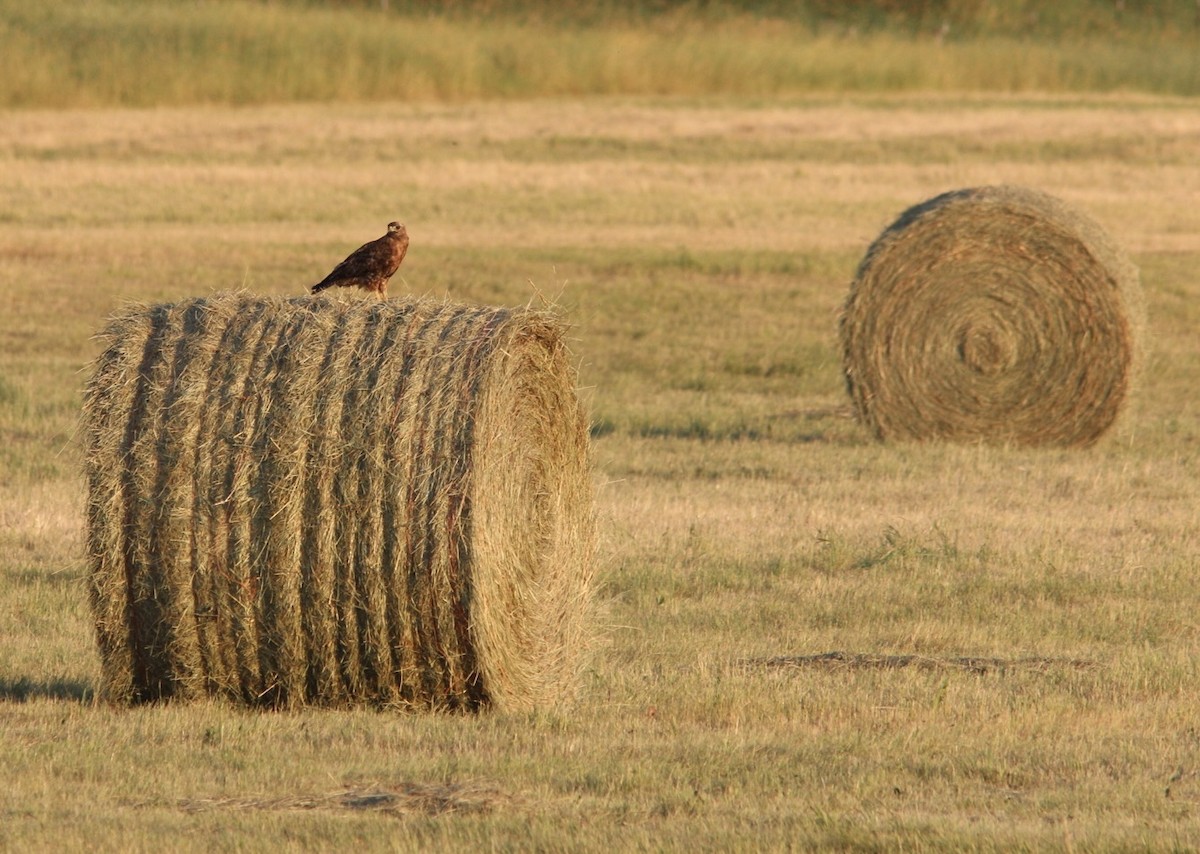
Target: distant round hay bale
(993,314)
(338,503)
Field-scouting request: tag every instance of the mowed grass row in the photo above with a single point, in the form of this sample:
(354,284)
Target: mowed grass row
(747,523)
(235,51)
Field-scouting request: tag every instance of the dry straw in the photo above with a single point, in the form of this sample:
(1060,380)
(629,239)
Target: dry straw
(338,502)
(994,314)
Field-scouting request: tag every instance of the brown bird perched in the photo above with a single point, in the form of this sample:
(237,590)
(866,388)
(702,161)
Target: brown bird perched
(371,265)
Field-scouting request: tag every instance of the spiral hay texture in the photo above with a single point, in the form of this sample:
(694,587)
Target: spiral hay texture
(338,503)
(994,314)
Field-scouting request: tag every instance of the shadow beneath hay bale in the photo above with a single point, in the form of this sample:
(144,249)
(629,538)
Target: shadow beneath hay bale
(23,689)
(867,661)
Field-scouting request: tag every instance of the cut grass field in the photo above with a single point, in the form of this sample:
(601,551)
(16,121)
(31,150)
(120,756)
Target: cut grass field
(1019,627)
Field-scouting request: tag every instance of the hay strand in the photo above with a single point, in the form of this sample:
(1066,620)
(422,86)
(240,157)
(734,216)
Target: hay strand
(338,502)
(993,314)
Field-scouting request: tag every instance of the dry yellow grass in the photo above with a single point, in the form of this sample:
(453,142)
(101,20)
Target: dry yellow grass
(612,178)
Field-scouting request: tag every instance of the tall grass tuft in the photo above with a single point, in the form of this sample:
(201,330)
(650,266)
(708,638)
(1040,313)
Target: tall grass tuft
(98,53)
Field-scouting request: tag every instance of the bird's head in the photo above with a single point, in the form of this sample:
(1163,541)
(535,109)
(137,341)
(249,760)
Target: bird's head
(396,228)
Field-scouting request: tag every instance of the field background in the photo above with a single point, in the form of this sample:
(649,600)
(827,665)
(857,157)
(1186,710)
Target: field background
(1018,629)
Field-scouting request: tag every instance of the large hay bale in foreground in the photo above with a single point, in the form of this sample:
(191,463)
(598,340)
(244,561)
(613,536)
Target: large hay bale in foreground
(994,314)
(338,502)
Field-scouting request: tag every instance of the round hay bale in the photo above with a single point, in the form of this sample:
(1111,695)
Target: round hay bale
(338,502)
(993,314)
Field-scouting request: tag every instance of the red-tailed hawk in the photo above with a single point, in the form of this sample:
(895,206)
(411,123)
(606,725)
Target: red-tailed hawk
(371,265)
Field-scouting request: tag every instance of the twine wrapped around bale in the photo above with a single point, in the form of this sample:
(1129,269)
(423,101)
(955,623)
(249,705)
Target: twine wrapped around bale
(338,502)
(993,314)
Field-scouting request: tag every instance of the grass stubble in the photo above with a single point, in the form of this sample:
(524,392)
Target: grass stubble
(744,515)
